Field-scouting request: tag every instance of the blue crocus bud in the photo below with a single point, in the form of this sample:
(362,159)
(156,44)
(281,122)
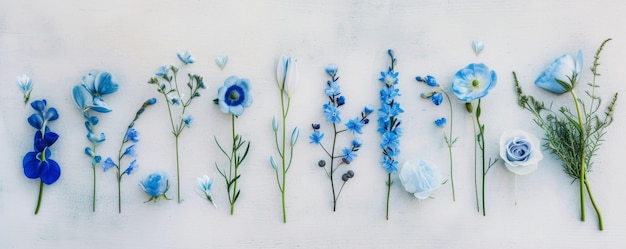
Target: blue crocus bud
(273,162)
(294,136)
(274,124)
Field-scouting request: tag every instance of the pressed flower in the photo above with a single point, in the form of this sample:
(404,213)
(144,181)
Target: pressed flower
(185,57)
(234,96)
(205,184)
(25,85)
(316,137)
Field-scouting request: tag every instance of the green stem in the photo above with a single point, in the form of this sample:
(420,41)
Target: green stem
(388,194)
(177,169)
(600,226)
(449,142)
(119,191)
(482,148)
(475,167)
(583,170)
(332,170)
(39,198)
(233,158)
(93,166)
(284,116)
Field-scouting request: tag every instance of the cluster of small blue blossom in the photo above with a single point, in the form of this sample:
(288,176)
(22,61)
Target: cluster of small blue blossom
(37,163)
(355,125)
(88,96)
(166,81)
(132,136)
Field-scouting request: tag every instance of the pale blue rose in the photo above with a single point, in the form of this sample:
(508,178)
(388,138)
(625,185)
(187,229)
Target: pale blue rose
(561,76)
(420,178)
(473,82)
(155,185)
(521,151)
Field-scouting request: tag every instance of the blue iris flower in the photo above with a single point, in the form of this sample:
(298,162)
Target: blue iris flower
(234,96)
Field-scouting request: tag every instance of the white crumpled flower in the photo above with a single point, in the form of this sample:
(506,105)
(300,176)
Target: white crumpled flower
(420,179)
(521,151)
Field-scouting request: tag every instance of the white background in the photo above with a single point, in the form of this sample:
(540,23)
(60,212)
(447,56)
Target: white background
(56,42)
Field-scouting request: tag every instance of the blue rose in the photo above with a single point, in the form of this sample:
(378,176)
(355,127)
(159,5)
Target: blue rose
(561,76)
(473,82)
(521,151)
(155,185)
(420,179)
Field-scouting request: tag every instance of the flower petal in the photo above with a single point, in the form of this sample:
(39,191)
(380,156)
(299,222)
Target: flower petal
(30,163)
(50,172)
(81,97)
(106,83)
(99,105)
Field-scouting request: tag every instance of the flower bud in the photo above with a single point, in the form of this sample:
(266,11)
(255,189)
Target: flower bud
(274,124)
(345,177)
(469,107)
(273,162)
(350,173)
(321,163)
(294,136)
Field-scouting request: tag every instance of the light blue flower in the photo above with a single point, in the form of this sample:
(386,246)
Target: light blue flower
(133,165)
(473,82)
(274,124)
(174,98)
(205,183)
(102,84)
(420,179)
(332,113)
(273,163)
(188,120)
(132,135)
(348,155)
(234,96)
(331,69)
(355,126)
(333,89)
(108,163)
(389,165)
(185,57)
(156,185)
(25,85)
(388,94)
(389,140)
(367,110)
(429,80)
(437,98)
(163,71)
(389,78)
(131,151)
(521,151)
(562,75)
(356,143)
(316,137)
(440,122)
(287,74)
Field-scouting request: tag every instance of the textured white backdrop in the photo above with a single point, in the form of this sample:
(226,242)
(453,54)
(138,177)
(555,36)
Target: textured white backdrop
(56,42)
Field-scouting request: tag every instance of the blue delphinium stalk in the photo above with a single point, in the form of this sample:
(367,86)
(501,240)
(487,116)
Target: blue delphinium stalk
(354,126)
(436,96)
(232,98)
(26,86)
(388,123)
(131,136)
(37,163)
(88,97)
(166,81)
(471,83)
(287,79)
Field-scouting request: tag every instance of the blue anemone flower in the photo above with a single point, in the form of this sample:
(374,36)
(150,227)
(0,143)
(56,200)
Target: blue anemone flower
(234,96)
(473,82)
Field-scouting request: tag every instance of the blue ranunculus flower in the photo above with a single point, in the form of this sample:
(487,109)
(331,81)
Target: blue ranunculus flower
(562,75)
(473,82)
(186,57)
(155,185)
(421,178)
(234,96)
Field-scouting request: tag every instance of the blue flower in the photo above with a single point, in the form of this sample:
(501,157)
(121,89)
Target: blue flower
(332,113)
(473,82)
(331,69)
(133,165)
(437,98)
(388,111)
(155,185)
(389,140)
(39,165)
(188,120)
(185,57)
(333,89)
(355,125)
(108,163)
(162,71)
(420,179)
(440,122)
(390,165)
(132,135)
(234,96)
(287,74)
(367,110)
(316,137)
(389,78)
(348,155)
(43,115)
(341,100)
(356,143)
(387,94)
(131,151)
(205,184)
(429,80)
(101,84)
(174,98)
(562,75)
(25,85)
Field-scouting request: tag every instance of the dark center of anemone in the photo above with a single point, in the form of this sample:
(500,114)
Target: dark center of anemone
(234,95)
(475,82)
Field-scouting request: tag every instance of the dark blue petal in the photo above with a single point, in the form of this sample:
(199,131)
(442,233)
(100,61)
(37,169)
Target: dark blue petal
(39,142)
(96,159)
(51,114)
(89,152)
(31,165)
(39,105)
(50,171)
(35,121)
(50,138)
(106,83)
(81,97)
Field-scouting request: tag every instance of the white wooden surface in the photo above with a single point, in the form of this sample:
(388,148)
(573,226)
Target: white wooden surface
(56,42)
